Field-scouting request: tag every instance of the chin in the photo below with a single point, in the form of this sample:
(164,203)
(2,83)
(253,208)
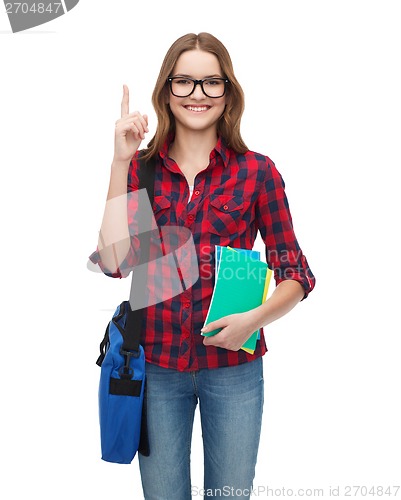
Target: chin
(199,122)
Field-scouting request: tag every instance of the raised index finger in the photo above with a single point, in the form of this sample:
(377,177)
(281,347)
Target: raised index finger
(125,102)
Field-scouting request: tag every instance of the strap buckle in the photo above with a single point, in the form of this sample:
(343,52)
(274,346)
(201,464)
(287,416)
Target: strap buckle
(126,372)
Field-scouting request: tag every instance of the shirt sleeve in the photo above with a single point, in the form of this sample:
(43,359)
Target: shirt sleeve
(283,253)
(132,257)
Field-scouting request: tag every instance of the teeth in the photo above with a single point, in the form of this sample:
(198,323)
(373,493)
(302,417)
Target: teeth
(197,108)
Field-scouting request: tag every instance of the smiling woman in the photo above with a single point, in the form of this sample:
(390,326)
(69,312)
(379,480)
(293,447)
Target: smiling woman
(236,193)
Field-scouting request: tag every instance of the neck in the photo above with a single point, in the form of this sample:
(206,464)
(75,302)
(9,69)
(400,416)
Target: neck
(193,147)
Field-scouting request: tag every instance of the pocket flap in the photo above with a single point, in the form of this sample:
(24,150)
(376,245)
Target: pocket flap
(226,203)
(161,202)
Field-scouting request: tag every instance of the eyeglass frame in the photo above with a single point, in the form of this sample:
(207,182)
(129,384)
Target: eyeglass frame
(197,82)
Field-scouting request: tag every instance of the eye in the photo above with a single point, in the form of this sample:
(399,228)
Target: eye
(182,81)
(212,82)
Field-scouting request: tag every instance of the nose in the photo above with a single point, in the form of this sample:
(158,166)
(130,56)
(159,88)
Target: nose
(198,93)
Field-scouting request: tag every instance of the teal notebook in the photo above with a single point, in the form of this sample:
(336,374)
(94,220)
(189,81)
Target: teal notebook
(241,284)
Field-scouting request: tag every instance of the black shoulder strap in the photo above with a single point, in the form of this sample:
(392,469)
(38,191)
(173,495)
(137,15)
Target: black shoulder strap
(146,174)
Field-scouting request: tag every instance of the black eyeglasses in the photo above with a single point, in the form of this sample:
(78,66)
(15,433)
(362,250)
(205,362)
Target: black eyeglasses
(183,86)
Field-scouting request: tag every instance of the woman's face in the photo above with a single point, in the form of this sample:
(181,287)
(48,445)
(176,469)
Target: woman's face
(197,112)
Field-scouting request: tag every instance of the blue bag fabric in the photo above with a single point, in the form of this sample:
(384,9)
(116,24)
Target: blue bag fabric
(121,393)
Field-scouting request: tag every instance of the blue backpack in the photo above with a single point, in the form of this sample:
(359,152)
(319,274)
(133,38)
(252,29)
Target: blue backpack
(122,391)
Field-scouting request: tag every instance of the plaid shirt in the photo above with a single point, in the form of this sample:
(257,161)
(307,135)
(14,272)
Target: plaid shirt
(233,198)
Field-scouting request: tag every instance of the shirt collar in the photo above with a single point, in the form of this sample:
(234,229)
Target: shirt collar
(221,149)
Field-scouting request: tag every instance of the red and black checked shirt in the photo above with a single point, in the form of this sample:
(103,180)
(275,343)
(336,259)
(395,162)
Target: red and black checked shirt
(233,198)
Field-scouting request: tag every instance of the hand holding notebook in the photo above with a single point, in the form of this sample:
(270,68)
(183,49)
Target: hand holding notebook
(241,284)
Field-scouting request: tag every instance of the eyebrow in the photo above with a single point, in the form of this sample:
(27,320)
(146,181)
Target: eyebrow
(190,76)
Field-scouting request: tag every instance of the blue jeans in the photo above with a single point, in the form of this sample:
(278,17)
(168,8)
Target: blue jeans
(231,404)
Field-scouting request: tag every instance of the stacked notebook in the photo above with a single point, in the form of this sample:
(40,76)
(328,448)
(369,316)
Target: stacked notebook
(241,284)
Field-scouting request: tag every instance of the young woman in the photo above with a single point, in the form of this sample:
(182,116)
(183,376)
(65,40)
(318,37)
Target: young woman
(209,182)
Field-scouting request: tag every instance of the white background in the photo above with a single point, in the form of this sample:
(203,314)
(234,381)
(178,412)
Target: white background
(322,85)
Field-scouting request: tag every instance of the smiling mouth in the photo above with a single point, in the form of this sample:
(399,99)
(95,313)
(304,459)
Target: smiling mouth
(197,109)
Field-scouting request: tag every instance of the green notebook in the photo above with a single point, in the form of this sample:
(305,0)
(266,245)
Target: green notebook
(241,284)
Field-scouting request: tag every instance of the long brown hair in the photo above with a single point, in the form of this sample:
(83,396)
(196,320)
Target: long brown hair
(229,123)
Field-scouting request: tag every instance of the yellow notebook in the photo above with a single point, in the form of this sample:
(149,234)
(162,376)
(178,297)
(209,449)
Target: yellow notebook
(241,284)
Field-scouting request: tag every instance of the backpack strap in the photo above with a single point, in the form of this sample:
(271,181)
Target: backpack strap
(133,326)
(131,333)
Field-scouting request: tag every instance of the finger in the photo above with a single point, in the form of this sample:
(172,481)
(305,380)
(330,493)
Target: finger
(125,102)
(138,134)
(147,122)
(143,122)
(211,341)
(131,118)
(123,127)
(218,323)
(142,118)
(208,328)
(135,117)
(137,128)
(139,122)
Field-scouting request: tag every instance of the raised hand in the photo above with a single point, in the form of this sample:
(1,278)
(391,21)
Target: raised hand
(129,132)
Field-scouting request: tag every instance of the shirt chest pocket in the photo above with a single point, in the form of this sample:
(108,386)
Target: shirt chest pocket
(225,214)
(162,210)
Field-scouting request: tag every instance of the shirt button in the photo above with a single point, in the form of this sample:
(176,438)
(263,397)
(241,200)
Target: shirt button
(197,192)
(191,217)
(187,304)
(225,207)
